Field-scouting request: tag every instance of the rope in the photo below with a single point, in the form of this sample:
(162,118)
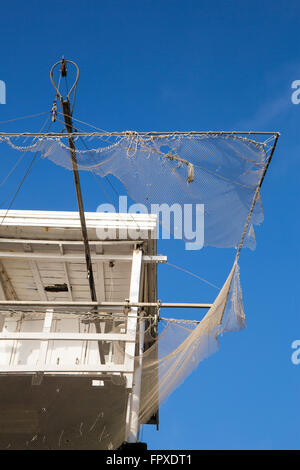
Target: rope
(12,170)
(25,117)
(25,176)
(176,320)
(107,180)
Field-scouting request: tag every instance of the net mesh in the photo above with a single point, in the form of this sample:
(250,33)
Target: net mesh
(220,170)
(166,360)
(223,172)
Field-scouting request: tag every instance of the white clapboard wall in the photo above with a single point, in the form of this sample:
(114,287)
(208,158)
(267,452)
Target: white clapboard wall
(39,250)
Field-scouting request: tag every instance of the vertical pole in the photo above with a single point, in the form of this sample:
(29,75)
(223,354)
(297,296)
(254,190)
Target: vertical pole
(89,267)
(134,381)
(69,127)
(44,344)
(134,426)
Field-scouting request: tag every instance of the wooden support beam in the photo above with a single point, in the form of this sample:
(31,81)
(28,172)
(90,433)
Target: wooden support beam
(66,304)
(80,257)
(35,273)
(71,242)
(69,127)
(132,323)
(45,341)
(100,283)
(6,286)
(46,336)
(67,369)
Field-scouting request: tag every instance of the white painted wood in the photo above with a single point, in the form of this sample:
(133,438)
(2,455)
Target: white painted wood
(95,220)
(37,279)
(6,284)
(47,336)
(44,343)
(102,305)
(70,242)
(133,425)
(66,352)
(67,277)
(23,353)
(100,283)
(132,326)
(67,368)
(7,348)
(2,293)
(77,257)
(58,347)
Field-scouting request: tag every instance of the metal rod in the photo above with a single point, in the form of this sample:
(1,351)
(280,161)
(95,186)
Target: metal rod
(68,304)
(122,134)
(32,336)
(256,195)
(74,369)
(70,242)
(76,257)
(134,425)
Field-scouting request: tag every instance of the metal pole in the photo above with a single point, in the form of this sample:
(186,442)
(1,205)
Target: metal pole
(69,128)
(141,134)
(134,425)
(69,304)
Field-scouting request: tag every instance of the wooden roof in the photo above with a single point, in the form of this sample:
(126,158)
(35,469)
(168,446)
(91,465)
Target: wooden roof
(41,249)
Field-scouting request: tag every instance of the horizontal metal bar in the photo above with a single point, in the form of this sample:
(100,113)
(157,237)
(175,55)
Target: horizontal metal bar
(184,305)
(42,303)
(70,242)
(122,134)
(67,336)
(67,368)
(100,375)
(76,257)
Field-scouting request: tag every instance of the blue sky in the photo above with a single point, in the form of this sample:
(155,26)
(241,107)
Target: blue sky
(185,65)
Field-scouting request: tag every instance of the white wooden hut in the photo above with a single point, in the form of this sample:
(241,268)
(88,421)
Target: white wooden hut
(61,376)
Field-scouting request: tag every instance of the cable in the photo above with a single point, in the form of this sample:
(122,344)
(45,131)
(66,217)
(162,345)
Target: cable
(25,176)
(22,156)
(93,173)
(25,117)
(194,275)
(104,176)
(19,187)
(87,124)
(13,168)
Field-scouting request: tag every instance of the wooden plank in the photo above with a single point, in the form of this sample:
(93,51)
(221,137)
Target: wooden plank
(38,280)
(65,369)
(35,273)
(5,241)
(6,284)
(130,347)
(27,294)
(45,342)
(76,257)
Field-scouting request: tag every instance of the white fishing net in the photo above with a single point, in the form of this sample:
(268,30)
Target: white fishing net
(220,170)
(168,358)
(183,345)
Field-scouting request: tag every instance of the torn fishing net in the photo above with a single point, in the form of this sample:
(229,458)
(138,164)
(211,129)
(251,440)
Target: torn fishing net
(99,419)
(222,171)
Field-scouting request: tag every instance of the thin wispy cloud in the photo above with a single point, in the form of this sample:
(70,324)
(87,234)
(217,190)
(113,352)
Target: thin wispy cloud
(267,113)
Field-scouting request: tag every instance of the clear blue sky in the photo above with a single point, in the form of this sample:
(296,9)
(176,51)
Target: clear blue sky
(186,65)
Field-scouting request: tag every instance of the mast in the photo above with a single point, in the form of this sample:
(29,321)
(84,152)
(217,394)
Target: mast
(67,113)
